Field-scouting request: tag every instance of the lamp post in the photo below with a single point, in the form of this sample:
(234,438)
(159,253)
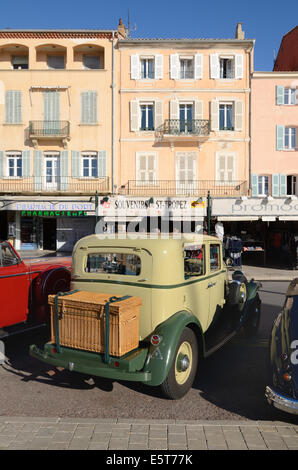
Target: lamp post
(208,212)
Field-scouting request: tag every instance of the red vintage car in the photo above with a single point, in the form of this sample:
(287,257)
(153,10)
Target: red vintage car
(25,286)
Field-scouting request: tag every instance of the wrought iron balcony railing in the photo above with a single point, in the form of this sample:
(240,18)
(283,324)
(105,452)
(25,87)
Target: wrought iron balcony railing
(178,127)
(184,188)
(53,184)
(39,129)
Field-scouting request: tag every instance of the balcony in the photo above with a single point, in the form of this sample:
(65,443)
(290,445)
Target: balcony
(54,184)
(49,130)
(176,129)
(184,188)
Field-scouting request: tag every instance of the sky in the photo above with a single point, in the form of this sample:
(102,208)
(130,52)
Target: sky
(263,20)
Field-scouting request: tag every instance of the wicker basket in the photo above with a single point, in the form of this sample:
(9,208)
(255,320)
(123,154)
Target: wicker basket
(82,322)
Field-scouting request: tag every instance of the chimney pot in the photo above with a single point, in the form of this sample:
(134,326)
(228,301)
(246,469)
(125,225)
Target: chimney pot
(239,32)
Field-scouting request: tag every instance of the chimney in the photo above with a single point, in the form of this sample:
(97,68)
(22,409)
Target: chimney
(121,29)
(239,32)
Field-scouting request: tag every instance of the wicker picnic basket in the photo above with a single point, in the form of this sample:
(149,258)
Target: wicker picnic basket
(81,319)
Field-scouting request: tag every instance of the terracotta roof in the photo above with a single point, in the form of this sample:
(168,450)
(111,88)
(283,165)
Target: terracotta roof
(55,34)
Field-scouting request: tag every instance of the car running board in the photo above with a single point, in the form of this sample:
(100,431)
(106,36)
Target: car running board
(220,344)
(18,329)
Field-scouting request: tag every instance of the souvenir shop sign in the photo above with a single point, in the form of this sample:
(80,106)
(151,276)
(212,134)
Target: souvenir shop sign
(54,214)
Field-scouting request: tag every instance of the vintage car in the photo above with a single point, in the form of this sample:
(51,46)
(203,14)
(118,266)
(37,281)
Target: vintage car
(189,307)
(282,388)
(25,287)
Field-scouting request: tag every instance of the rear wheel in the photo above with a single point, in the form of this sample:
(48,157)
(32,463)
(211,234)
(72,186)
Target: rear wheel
(253,321)
(183,368)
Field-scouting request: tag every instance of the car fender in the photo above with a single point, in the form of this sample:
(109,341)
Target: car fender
(160,357)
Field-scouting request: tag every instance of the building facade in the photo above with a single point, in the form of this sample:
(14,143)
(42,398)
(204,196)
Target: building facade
(56,142)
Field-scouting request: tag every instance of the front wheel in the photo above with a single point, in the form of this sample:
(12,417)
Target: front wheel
(183,368)
(253,321)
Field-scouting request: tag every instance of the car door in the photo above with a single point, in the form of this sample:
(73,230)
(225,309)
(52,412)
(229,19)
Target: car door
(216,280)
(14,287)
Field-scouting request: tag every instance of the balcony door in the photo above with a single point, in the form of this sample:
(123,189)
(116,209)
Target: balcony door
(186,117)
(51,112)
(52,171)
(186,173)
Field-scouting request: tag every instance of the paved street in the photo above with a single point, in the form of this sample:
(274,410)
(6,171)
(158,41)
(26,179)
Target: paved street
(224,409)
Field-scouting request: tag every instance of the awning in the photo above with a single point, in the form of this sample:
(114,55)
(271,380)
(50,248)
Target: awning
(268,218)
(236,218)
(288,217)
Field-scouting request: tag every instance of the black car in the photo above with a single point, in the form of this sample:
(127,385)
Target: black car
(282,392)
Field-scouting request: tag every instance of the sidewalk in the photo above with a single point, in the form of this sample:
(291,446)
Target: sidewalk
(132,434)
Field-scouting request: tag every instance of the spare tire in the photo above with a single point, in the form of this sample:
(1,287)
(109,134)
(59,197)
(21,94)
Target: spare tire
(237,294)
(51,282)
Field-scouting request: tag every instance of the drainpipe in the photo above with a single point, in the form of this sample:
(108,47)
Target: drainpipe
(249,126)
(113,111)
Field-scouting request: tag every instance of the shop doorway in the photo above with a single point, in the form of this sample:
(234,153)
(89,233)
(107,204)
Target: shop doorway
(3,225)
(49,234)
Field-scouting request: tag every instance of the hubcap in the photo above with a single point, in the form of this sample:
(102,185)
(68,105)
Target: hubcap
(243,293)
(183,363)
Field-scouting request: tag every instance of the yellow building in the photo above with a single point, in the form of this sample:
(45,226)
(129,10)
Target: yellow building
(56,133)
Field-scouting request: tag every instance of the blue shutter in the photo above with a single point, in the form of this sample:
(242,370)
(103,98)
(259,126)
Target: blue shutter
(280,137)
(102,164)
(75,164)
(1,164)
(275,185)
(26,156)
(282,184)
(254,185)
(37,170)
(64,170)
(13,107)
(89,107)
(279,95)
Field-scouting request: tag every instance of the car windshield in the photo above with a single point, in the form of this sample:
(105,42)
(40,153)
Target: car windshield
(7,256)
(115,263)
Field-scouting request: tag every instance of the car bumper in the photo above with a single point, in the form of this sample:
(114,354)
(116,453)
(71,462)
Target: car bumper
(126,368)
(282,402)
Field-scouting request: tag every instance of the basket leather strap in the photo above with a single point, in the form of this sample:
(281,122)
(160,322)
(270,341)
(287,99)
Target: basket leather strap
(107,324)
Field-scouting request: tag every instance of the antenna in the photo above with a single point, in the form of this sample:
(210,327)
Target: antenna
(128,25)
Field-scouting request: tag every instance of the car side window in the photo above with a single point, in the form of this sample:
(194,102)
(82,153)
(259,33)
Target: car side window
(7,256)
(194,261)
(214,257)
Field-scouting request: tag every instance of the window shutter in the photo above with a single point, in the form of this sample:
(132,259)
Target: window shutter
(275,185)
(214,66)
(51,105)
(13,107)
(174,109)
(198,66)
(37,170)
(238,66)
(102,164)
(158,64)
(75,164)
(198,109)
(214,115)
(55,61)
(134,115)
(254,185)
(238,115)
(174,66)
(135,67)
(158,113)
(279,95)
(64,169)
(1,164)
(280,137)
(89,107)
(282,184)
(26,155)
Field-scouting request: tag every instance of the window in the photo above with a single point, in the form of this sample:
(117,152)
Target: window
(186,68)
(89,165)
(185,115)
(290,138)
(194,260)
(55,61)
(7,256)
(226,117)
(13,107)
(147,123)
(263,185)
(226,68)
(146,167)
(226,168)
(214,257)
(89,107)
(289,96)
(114,263)
(291,184)
(91,62)
(19,62)
(147,68)
(14,165)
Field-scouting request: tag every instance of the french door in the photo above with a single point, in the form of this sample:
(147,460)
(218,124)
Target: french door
(186,173)
(52,171)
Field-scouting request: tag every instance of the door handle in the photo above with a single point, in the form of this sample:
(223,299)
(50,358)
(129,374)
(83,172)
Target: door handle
(211,284)
(142,280)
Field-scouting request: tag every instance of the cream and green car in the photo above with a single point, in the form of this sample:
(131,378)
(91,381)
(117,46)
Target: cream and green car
(189,307)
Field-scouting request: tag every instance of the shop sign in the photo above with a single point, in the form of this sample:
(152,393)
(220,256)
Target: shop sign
(53,214)
(255,207)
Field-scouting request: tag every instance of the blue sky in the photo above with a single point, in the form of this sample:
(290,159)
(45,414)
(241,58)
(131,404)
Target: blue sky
(264,20)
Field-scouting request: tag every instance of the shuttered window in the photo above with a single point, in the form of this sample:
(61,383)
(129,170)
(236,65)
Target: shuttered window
(14,164)
(226,168)
(13,107)
(55,62)
(89,107)
(146,167)
(91,62)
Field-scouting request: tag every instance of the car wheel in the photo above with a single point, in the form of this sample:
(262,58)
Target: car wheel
(253,321)
(238,291)
(51,282)
(183,368)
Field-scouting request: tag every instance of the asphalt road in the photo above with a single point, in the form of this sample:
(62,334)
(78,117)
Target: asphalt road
(229,385)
